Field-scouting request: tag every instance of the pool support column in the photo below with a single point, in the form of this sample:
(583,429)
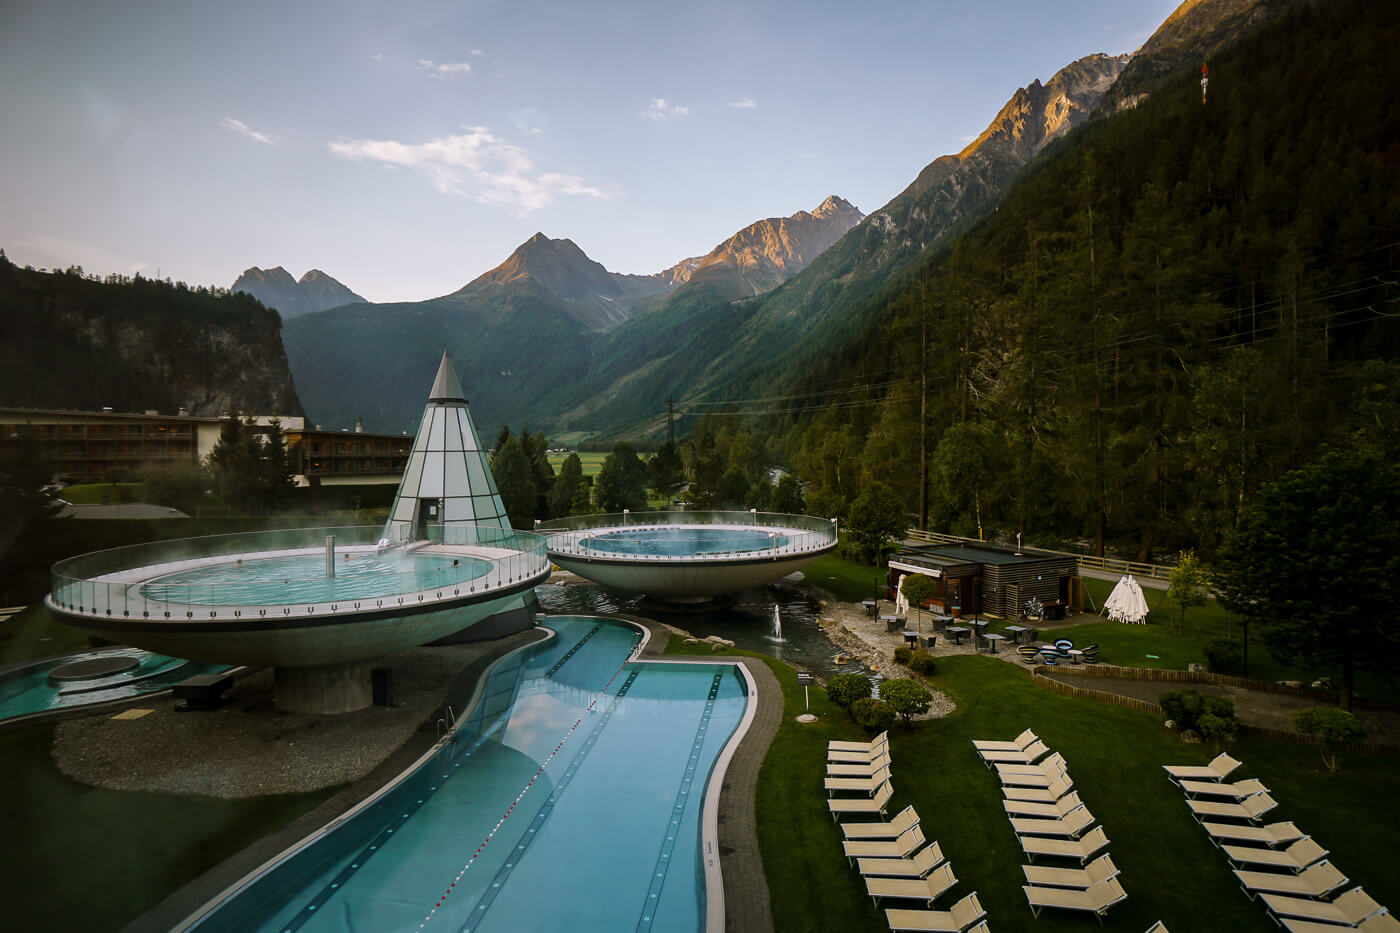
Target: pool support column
(326,688)
(330,556)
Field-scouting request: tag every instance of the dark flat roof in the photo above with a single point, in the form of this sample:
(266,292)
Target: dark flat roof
(967,553)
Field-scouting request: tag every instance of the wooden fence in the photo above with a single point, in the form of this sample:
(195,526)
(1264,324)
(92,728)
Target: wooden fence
(1224,680)
(1108,564)
(1084,693)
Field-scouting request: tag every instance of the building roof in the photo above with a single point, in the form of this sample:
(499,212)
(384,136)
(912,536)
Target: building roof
(447,387)
(992,555)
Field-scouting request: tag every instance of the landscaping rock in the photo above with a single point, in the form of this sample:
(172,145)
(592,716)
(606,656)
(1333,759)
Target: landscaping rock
(1190,738)
(1290,683)
(1196,667)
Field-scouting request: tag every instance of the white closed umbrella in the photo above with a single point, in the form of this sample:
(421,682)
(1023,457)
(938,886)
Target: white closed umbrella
(901,602)
(1126,603)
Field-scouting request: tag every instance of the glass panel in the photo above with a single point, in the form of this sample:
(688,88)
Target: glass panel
(436,428)
(412,474)
(470,440)
(454,433)
(485,507)
(459,510)
(403,512)
(420,439)
(476,472)
(456,473)
(431,486)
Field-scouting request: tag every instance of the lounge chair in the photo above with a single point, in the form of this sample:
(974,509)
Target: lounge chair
(852,806)
(1090,655)
(1055,764)
(904,846)
(865,769)
(835,746)
(924,861)
(1251,808)
(1050,811)
(1383,922)
(1021,742)
(1029,653)
(857,755)
(1236,791)
(1097,899)
(1318,881)
(962,915)
(1027,756)
(904,819)
(1218,770)
(1050,794)
(1046,778)
(1071,827)
(1158,927)
(1082,849)
(1100,869)
(1349,909)
(865,785)
(923,889)
(1295,858)
(1049,657)
(1275,834)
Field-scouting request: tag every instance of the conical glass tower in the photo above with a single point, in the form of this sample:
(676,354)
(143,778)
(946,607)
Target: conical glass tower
(447,489)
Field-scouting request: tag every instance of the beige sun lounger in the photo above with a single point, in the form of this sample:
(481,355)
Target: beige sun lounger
(1050,794)
(834,746)
(866,785)
(1052,811)
(962,915)
(1070,827)
(906,845)
(922,889)
(1027,756)
(856,756)
(1318,881)
(1275,834)
(1100,869)
(1217,770)
(1055,764)
(1295,858)
(1349,909)
(858,769)
(1082,849)
(924,861)
(1158,927)
(1046,778)
(1251,808)
(904,819)
(1022,741)
(852,806)
(1237,791)
(1383,922)
(1096,900)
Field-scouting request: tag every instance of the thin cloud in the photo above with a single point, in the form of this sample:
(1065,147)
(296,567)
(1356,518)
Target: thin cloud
(477,52)
(744,103)
(238,126)
(377,57)
(662,109)
(445,69)
(475,163)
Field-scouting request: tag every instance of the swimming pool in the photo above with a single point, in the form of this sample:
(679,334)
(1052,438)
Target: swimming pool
(569,799)
(28,689)
(301,578)
(678,542)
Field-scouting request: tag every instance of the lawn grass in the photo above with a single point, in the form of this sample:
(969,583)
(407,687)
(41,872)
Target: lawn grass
(93,493)
(82,858)
(847,580)
(36,633)
(1170,870)
(591,460)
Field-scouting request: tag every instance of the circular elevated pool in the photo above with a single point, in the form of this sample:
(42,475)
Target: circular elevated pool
(680,542)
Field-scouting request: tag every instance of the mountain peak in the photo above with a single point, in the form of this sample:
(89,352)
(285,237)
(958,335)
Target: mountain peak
(275,287)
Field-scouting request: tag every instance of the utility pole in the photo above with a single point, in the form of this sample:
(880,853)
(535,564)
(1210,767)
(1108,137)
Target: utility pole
(670,420)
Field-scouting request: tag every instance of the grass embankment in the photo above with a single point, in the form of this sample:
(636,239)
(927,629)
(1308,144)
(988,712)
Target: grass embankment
(847,580)
(81,858)
(591,460)
(1169,868)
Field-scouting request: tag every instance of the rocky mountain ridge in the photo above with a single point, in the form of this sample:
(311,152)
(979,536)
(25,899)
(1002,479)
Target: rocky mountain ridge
(275,288)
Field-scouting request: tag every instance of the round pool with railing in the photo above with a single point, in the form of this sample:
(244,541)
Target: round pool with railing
(686,555)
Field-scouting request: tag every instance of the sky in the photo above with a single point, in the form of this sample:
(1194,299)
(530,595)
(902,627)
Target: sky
(405,148)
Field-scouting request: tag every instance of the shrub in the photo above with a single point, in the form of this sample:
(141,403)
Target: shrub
(1224,655)
(1217,729)
(906,697)
(920,662)
(1334,728)
(872,715)
(901,655)
(847,689)
(1188,707)
(918,587)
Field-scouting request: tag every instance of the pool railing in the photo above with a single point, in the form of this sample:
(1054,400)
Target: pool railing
(572,536)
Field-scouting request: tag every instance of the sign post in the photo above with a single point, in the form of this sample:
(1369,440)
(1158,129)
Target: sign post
(806,681)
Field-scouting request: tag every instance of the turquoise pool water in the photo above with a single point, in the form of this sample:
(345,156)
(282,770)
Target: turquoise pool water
(569,800)
(302,579)
(27,690)
(679,542)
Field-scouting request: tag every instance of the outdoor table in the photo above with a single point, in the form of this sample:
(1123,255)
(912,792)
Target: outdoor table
(940,621)
(869,605)
(1074,655)
(912,637)
(892,622)
(1016,631)
(957,631)
(993,637)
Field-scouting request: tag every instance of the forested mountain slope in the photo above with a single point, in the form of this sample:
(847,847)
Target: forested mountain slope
(1172,307)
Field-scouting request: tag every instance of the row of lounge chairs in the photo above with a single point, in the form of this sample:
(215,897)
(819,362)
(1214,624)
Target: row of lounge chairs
(1284,868)
(893,857)
(1050,819)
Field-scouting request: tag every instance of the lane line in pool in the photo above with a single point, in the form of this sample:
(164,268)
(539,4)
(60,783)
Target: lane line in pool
(572,651)
(668,845)
(526,789)
(503,874)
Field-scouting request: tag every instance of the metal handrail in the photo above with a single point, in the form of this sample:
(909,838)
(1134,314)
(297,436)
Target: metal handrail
(573,535)
(1106,564)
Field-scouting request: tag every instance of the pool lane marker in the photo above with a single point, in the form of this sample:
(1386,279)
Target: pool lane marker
(570,653)
(526,789)
(503,874)
(668,845)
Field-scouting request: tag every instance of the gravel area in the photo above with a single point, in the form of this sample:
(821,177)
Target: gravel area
(247,747)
